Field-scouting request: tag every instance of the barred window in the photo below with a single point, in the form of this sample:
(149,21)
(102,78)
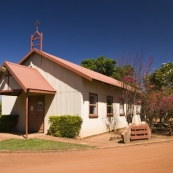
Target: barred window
(93,105)
(109,106)
(121,107)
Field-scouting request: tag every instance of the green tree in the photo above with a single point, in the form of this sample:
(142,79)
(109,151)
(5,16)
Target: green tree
(121,73)
(163,77)
(158,97)
(101,65)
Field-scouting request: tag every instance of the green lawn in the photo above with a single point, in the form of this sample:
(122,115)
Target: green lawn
(38,145)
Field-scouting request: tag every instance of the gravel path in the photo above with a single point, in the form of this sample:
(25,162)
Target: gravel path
(150,158)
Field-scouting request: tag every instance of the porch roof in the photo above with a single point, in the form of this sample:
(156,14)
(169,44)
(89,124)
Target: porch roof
(15,92)
(29,79)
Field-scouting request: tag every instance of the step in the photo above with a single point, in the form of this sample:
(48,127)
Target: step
(139,132)
(138,127)
(139,137)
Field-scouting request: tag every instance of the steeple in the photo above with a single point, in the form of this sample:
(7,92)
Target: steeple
(37,38)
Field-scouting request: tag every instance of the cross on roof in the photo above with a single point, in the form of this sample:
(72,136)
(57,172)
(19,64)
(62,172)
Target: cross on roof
(36,24)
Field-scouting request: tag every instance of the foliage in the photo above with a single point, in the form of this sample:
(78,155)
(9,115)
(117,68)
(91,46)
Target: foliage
(101,65)
(133,75)
(158,106)
(8,122)
(37,145)
(135,69)
(163,77)
(159,93)
(65,126)
(157,101)
(123,72)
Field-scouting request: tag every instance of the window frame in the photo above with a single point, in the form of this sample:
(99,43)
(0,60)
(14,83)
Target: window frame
(96,105)
(109,114)
(130,107)
(121,102)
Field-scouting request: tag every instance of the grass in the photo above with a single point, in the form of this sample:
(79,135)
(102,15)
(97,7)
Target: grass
(38,145)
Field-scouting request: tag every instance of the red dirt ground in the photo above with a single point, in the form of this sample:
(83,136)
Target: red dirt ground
(146,158)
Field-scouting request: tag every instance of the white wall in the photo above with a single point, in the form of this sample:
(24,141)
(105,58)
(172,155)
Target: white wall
(12,82)
(8,104)
(93,126)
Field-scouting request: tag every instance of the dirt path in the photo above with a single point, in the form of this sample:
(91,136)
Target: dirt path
(151,158)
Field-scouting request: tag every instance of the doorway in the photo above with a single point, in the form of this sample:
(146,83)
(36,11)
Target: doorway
(36,114)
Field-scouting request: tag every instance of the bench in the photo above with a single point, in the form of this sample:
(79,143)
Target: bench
(139,132)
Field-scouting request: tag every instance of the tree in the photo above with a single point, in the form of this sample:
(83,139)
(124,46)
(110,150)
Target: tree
(158,106)
(122,72)
(101,65)
(163,77)
(159,83)
(158,98)
(134,70)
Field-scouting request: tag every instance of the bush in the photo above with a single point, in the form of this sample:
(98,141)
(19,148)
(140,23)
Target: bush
(65,126)
(8,122)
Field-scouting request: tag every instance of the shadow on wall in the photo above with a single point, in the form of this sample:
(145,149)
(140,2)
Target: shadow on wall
(2,82)
(2,86)
(12,106)
(48,101)
(17,105)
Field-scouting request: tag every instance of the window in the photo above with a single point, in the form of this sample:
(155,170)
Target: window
(93,108)
(130,108)
(121,107)
(39,106)
(109,106)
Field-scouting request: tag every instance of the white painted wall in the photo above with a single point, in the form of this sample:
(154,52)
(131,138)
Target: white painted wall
(12,82)
(93,126)
(8,104)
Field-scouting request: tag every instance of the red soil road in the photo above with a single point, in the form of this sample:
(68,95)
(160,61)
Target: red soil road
(146,158)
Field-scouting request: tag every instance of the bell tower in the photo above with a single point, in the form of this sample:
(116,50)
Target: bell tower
(37,38)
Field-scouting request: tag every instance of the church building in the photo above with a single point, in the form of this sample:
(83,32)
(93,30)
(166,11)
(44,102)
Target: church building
(42,85)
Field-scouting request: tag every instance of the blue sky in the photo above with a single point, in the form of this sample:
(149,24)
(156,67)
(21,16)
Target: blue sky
(80,29)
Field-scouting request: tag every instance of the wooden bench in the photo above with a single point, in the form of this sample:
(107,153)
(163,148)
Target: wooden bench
(139,132)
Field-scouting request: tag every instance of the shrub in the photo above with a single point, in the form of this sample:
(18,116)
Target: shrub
(8,122)
(65,126)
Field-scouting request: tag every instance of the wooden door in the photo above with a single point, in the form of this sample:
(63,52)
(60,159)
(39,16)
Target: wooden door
(36,114)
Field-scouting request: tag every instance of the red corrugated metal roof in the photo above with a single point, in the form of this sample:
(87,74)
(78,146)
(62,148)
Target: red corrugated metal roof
(29,78)
(84,72)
